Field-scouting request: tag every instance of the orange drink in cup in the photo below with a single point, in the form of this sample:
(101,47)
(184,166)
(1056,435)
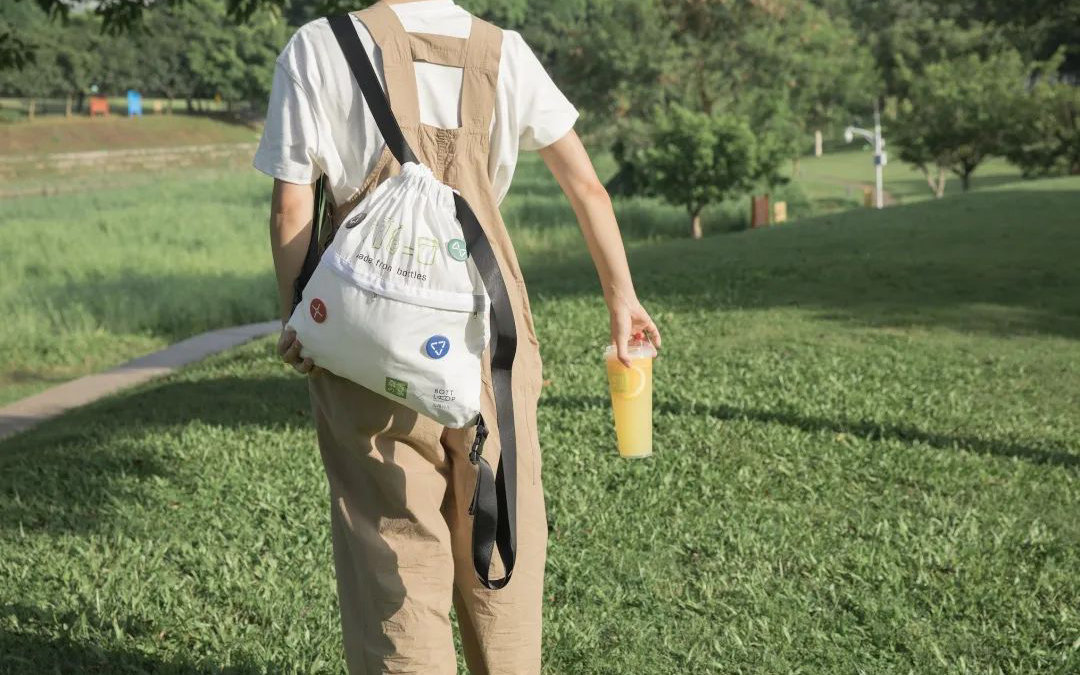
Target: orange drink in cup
(631,397)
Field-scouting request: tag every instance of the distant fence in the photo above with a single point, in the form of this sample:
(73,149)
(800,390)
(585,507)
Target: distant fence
(14,109)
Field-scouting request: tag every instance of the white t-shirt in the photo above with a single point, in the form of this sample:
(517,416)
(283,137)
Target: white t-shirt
(317,121)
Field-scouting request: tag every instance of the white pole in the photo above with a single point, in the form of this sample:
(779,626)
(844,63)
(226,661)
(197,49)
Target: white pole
(878,157)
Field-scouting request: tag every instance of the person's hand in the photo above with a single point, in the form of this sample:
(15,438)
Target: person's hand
(629,318)
(288,348)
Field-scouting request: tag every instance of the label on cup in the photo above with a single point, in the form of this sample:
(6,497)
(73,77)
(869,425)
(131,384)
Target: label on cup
(627,382)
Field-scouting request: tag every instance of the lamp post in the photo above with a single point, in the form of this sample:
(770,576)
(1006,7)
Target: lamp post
(880,159)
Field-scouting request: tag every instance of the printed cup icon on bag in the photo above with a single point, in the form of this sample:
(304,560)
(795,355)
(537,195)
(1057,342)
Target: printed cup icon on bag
(631,397)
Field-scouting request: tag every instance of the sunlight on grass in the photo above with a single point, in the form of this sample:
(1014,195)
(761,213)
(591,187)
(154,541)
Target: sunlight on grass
(838,176)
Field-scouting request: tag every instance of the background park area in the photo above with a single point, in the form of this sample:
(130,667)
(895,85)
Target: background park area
(867,421)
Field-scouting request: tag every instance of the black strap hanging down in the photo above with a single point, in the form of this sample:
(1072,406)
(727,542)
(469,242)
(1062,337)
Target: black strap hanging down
(494,502)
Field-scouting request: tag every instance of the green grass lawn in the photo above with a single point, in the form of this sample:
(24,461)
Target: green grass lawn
(56,155)
(95,278)
(834,181)
(867,443)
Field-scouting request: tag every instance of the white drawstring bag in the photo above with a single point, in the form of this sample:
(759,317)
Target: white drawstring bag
(397,305)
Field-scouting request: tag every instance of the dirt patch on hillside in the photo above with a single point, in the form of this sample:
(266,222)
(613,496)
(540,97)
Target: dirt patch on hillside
(52,135)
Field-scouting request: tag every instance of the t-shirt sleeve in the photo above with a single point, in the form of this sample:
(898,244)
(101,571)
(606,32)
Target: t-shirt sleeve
(544,114)
(289,146)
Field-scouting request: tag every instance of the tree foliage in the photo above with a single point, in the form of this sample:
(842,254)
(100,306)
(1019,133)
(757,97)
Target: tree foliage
(958,112)
(1045,138)
(627,56)
(952,74)
(783,67)
(695,159)
(178,50)
(906,34)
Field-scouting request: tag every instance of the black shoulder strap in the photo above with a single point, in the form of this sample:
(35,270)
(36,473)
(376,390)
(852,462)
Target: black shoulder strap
(494,503)
(320,226)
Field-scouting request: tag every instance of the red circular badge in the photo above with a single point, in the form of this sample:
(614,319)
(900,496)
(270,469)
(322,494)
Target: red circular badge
(318,310)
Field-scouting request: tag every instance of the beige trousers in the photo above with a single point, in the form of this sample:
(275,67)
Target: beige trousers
(400,485)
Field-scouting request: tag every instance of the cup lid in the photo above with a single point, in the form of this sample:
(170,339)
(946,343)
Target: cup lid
(636,347)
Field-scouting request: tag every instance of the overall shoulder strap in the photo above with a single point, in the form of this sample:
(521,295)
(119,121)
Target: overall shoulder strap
(441,49)
(494,503)
(481,75)
(395,50)
(364,73)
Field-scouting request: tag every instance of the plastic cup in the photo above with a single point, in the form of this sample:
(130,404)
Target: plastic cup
(631,397)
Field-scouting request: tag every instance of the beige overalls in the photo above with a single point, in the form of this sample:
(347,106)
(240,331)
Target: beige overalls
(401,483)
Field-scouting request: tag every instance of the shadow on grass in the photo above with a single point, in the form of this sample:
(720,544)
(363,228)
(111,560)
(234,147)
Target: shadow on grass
(66,474)
(536,201)
(874,431)
(908,188)
(638,218)
(86,469)
(995,262)
(29,654)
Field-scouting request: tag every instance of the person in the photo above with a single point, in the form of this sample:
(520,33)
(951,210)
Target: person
(469,97)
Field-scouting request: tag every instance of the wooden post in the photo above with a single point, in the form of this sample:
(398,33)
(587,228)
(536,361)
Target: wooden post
(817,143)
(780,212)
(759,210)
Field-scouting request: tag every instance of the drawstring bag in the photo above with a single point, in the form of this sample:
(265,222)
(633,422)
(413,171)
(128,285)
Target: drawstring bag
(405,299)
(397,305)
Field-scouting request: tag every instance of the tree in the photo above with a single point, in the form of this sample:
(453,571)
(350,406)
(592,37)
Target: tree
(957,113)
(17,21)
(616,59)
(165,46)
(39,75)
(235,61)
(829,73)
(696,159)
(1045,137)
(783,66)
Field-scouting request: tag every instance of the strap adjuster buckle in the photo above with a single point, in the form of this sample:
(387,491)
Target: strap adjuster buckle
(478,442)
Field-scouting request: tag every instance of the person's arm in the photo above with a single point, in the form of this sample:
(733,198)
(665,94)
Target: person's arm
(290,229)
(570,164)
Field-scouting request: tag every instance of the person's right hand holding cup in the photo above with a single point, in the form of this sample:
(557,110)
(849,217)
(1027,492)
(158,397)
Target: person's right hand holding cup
(631,396)
(635,339)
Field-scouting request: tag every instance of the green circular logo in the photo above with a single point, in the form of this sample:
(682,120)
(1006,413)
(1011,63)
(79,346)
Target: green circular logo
(456,249)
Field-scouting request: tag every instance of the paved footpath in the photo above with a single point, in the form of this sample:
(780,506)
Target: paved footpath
(23,414)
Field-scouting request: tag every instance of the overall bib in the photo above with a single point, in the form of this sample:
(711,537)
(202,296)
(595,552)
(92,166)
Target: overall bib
(401,483)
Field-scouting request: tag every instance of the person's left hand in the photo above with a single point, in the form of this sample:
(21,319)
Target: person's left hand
(288,348)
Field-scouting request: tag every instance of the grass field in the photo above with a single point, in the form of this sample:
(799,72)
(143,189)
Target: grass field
(176,253)
(834,181)
(51,156)
(96,278)
(867,444)
(104,292)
